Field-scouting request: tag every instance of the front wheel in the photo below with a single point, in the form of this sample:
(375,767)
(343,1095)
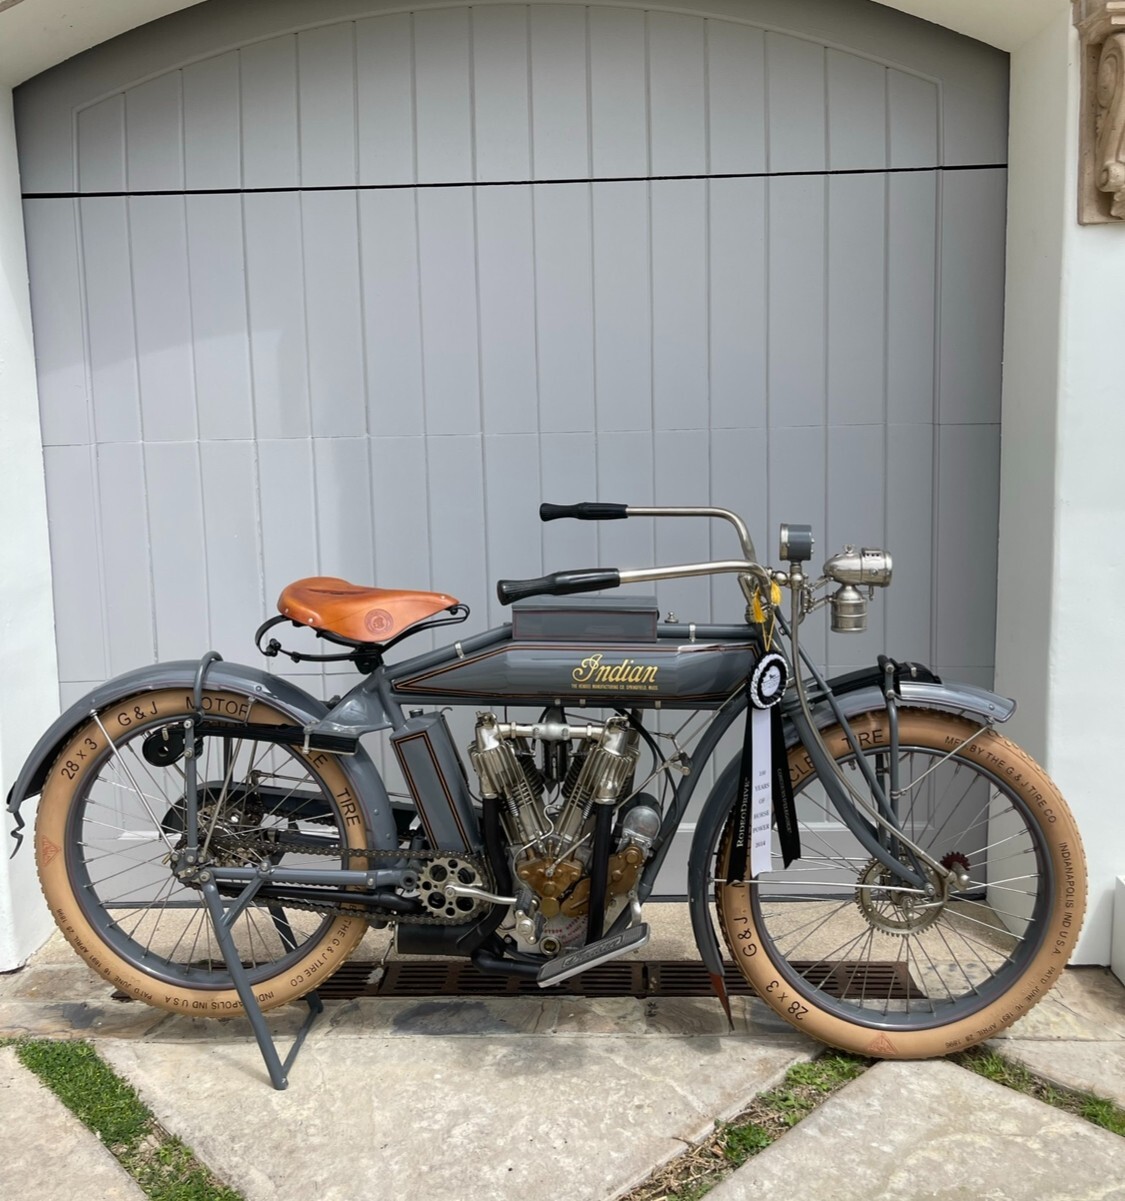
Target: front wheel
(842,949)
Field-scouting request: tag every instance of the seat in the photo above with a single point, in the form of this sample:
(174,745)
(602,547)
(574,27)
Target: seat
(356,613)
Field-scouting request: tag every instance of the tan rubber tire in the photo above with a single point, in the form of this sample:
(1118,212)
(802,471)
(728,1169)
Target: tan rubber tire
(943,732)
(69,776)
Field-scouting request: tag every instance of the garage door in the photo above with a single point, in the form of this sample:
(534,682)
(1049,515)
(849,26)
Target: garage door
(325,293)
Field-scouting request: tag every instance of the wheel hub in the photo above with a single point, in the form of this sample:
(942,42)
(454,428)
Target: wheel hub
(231,832)
(895,908)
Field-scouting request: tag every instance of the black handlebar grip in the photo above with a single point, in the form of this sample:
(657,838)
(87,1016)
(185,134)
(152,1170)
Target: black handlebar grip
(561,583)
(588,510)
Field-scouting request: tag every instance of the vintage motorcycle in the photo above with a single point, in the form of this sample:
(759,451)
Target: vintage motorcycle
(889,873)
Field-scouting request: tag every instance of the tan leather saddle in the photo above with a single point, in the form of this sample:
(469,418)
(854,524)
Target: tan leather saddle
(356,613)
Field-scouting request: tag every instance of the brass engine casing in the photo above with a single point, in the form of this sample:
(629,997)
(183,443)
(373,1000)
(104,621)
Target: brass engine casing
(564,888)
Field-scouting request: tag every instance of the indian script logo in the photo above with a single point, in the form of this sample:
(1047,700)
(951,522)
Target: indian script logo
(626,676)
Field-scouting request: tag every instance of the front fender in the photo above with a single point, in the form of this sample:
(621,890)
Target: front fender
(252,682)
(949,696)
(859,694)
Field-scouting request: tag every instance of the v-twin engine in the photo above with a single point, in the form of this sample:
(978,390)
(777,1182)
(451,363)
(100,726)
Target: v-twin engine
(547,804)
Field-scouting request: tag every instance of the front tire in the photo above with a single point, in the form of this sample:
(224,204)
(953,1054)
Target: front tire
(110,818)
(845,955)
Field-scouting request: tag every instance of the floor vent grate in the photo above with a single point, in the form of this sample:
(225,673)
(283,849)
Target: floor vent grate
(635,978)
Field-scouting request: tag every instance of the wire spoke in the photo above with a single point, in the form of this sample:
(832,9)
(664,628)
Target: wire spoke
(1006,880)
(115,855)
(818,926)
(955,959)
(999,843)
(975,942)
(1021,892)
(936,971)
(160,910)
(1019,917)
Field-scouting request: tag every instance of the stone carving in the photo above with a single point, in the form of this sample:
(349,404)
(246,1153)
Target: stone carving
(1109,128)
(1101,138)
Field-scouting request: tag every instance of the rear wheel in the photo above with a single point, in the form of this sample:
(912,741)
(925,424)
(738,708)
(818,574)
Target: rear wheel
(111,822)
(840,948)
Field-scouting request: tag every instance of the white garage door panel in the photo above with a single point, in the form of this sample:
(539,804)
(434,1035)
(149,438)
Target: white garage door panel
(497,94)
(973,91)
(319,290)
(61,367)
(222,359)
(467,344)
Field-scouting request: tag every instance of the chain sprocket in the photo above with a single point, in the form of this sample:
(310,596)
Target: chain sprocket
(895,908)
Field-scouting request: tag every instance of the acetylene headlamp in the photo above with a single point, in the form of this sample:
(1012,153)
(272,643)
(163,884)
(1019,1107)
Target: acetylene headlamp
(853,569)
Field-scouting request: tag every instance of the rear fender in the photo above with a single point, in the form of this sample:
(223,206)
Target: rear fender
(294,702)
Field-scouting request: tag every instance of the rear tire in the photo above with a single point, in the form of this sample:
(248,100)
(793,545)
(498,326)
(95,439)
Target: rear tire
(848,958)
(107,823)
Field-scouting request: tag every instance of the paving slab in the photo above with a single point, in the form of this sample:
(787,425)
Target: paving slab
(476,1117)
(1090,1067)
(48,1153)
(1086,1004)
(1076,1035)
(77,1019)
(57,996)
(931,1129)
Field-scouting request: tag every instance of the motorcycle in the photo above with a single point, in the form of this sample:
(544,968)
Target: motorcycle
(889,873)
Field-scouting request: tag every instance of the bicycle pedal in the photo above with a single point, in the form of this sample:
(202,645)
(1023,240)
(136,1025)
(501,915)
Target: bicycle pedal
(596,953)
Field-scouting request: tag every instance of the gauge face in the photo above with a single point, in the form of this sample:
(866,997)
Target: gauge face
(767,685)
(796,542)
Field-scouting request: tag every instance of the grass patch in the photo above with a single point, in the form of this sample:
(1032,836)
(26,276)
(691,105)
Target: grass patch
(806,1086)
(161,1165)
(992,1066)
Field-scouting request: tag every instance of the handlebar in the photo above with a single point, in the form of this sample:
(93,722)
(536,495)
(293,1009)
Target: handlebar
(600,511)
(590,579)
(559,583)
(584,511)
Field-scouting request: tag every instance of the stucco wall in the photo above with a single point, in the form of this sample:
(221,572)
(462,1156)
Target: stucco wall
(1062,559)
(1087,645)
(1004,23)
(28,676)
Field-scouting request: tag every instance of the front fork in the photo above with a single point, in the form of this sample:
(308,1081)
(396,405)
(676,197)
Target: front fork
(876,826)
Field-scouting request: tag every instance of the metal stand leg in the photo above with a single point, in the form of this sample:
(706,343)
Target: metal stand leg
(223,920)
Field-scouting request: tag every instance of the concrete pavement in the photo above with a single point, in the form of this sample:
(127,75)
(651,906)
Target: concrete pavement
(532,1098)
(469,1116)
(46,1152)
(931,1129)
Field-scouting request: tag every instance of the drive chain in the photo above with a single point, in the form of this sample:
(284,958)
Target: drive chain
(264,848)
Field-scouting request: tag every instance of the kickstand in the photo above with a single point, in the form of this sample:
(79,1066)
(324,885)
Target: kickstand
(223,919)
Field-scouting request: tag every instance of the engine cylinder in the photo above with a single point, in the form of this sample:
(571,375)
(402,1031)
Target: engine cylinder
(502,775)
(602,778)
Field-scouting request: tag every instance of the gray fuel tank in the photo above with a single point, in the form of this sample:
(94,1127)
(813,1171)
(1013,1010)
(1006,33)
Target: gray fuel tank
(682,667)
